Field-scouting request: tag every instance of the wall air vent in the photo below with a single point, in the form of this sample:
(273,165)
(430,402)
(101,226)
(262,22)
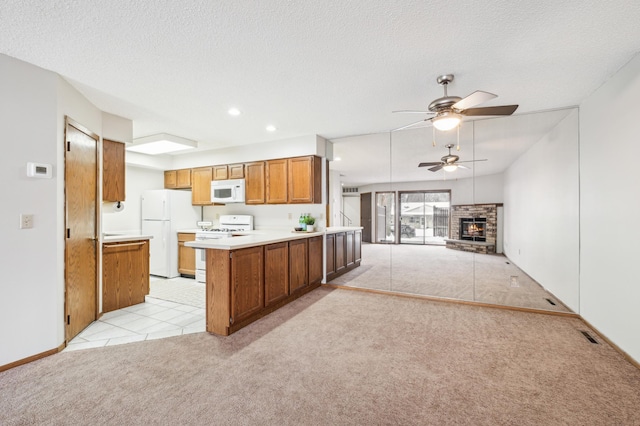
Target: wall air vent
(346,190)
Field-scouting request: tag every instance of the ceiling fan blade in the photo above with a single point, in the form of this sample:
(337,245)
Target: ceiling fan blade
(471,161)
(436,168)
(460,166)
(435,163)
(411,111)
(476,98)
(411,125)
(495,110)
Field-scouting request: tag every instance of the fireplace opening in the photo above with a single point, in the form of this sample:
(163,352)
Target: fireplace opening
(473,228)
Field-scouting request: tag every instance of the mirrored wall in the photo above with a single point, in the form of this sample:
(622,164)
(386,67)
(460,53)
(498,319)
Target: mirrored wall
(498,228)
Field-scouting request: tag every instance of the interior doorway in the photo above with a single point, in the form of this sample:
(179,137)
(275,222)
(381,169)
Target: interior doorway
(80,176)
(365,216)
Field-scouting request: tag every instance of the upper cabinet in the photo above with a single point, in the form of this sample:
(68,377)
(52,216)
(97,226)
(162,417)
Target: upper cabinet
(201,186)
(177,179)
(305,180)
(220,172)
(254,182)
(276,181)
(113,171)
(236,171)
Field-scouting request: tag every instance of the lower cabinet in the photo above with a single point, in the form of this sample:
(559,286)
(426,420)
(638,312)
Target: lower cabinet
(298,271)
(186,255)
(247,283)
(344,252)
(315,260)
(125,274)
(276,272)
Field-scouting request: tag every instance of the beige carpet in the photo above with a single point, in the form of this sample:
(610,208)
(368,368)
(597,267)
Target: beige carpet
(441,272)
(341,357)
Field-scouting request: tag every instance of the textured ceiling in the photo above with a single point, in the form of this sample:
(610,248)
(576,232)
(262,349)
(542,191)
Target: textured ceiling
(332,68)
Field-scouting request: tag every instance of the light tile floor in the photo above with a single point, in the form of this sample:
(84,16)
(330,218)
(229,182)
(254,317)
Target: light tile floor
(154,319)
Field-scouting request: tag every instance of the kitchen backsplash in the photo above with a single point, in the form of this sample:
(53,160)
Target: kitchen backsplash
(281,216)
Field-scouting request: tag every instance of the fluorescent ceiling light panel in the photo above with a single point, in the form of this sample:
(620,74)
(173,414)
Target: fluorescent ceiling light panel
(162,143)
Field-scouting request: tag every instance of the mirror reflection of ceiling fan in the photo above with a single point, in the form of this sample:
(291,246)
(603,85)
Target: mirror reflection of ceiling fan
(449,162)
(449,110)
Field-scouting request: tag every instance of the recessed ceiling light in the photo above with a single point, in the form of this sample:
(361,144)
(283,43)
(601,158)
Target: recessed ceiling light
(271,128)
(337,159)
(234,111)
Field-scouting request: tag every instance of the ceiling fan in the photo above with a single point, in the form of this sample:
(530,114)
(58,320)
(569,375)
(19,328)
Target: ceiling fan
(448,110)
(449,162)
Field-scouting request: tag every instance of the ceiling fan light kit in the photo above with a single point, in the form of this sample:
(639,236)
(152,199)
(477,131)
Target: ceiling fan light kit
(449,110)
(450,168)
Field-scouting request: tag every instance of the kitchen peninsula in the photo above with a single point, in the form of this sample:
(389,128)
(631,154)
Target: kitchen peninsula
(254,273)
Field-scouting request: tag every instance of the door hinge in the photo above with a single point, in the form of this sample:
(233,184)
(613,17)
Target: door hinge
(68,319)
(68,232)
(68,145)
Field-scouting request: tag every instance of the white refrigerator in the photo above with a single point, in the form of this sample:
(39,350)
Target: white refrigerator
(164,212)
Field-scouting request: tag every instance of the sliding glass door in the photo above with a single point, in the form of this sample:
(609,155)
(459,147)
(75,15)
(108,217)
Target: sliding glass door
(424,217)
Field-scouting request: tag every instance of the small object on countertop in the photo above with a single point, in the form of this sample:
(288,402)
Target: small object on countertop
(298,228)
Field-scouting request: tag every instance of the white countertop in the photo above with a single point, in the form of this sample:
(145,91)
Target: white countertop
(336,229)
(118,238)
(251,239)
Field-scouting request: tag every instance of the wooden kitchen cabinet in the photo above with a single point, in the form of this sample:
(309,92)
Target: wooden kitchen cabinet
(298,264)
(220,172)
(201,186)
(276,181)
(276,272)
(113,171)
(125,274)
(305,180)
(247,283)
(236,171)
(344,252)
(331,255)
(255,182)
(186,255)
(315,260)
(177,179)
(340,251)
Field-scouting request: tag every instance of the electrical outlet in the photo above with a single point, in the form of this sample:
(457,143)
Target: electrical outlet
(26,221)
(290,216)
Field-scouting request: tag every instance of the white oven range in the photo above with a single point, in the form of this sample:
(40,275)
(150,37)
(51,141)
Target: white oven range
(228,225)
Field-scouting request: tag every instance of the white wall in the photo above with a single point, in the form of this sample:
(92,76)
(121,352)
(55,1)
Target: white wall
(609,204)
(128,220)
(351,209)
(541,212)
(32,109)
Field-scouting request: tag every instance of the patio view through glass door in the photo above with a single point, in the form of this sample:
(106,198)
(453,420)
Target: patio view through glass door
(385,217)
(424,217)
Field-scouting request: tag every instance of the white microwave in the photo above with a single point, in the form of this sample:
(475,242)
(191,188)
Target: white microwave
(227,191)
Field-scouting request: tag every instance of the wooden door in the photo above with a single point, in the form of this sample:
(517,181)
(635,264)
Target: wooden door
(276,181)
(80,166)
(298,267)
(365,216)
(276,272)
(254,183)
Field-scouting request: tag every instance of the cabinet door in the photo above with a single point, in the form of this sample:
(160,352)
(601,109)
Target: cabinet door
(341,256)
(331,255)
(183,178)
(236,171)
(298,268)
(125,274)
(305,180)
(276,272)
(315,260)
(201,186)
(247,283)
(170,179)
(113,171)
(220,172)
(186,255)
(276,173)
(349,248)
(254,183)
(357,246)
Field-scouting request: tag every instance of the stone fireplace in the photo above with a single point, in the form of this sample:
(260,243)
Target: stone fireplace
(474,228)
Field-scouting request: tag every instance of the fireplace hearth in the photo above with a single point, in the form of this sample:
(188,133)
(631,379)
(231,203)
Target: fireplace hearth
(473,229)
